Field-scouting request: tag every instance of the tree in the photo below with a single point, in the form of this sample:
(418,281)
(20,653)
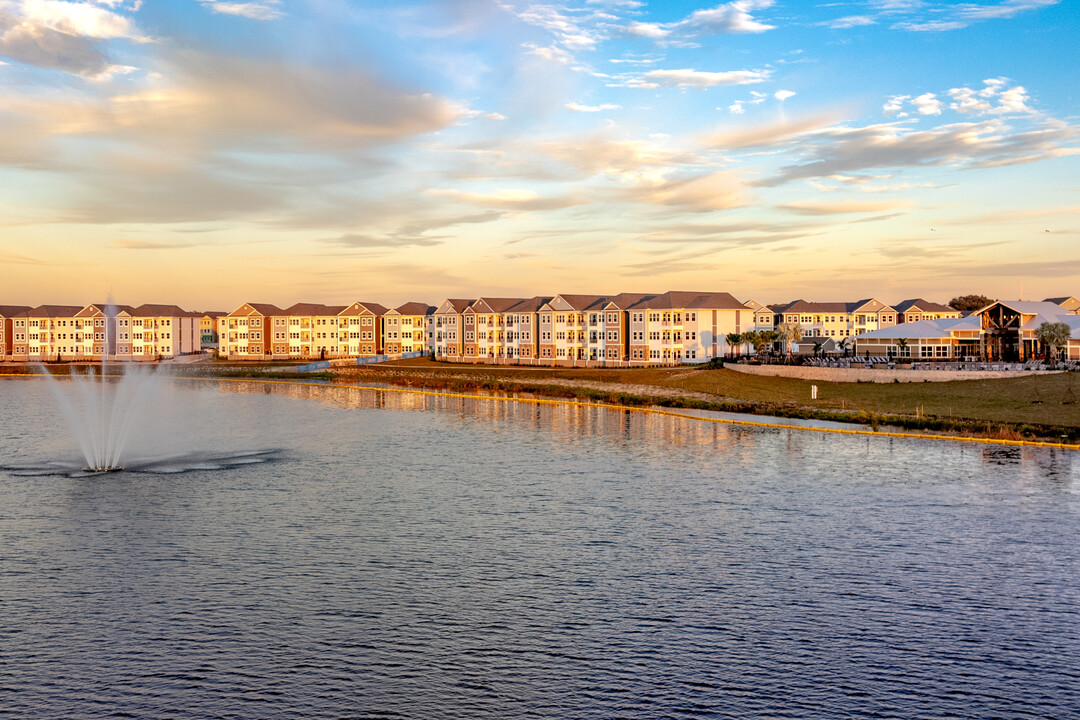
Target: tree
(843,345)
(789,333)
(750,337)
(1053,335)
(901,345)
(766,337)
(733,341)
(968,303)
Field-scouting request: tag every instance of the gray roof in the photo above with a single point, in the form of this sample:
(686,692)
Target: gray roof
(923,329)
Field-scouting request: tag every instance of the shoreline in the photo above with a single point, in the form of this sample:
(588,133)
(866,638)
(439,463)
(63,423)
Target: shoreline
(612,389)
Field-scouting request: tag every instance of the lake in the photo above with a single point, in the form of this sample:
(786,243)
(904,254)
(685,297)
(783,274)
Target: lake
(408,556)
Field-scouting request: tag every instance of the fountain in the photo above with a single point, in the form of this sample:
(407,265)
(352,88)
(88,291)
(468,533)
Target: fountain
(107,410)
(101,411)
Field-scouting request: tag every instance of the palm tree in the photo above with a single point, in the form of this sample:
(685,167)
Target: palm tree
(789,333)
(901,345)
(767,337)
(733,341)
(1053,336)
(750,337)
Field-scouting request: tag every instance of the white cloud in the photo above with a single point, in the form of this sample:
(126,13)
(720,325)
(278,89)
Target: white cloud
(649,30)
(1011,101)
(264,10)
(783,95)
(576,107)
(698,79)
(732,17)
(736,108)
(79,19)
(894,106)
(850,21)
(551,53)
(495,116)
(928,104)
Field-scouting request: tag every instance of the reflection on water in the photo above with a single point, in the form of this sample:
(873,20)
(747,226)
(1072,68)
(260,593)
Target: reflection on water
(433,557)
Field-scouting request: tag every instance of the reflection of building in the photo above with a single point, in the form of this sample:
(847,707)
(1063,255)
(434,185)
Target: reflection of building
(1001,331)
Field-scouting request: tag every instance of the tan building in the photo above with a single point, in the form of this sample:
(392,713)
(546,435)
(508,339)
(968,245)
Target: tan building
(1070,304)
(247,333)
(918,309)
(405,328)
(685,327)
(836,320)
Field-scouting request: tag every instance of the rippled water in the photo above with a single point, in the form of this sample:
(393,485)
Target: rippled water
(401,556)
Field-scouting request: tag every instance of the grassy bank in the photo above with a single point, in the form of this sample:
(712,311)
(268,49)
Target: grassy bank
(1013,408)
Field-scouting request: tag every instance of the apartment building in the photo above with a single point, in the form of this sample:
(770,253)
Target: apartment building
(208,327)
(405,328)
(522,330)
(837,320)
(247,332)
(917,309)
(449,330)
(684,327)
(565,334)
(12,325)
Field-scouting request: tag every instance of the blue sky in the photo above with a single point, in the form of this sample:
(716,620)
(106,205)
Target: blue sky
(210,153)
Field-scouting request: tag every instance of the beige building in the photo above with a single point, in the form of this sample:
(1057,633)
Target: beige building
(918,309)
(449,329)
(405,329)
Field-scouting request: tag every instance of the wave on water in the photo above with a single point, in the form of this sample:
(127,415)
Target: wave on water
(170,464)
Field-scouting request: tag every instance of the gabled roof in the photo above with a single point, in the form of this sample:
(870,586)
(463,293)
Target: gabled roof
(754,304)
(359,308)
(456,305)
(682,300)
(213,313)
(577,303)
(918,304)
(624,301)
(13,310)
(1070,303)
(805,306)
(264,309)
(303,309)
(1025,307)
(151,310)
(868,305)
(54,311)
(531,305)
(414,308)
(494,305)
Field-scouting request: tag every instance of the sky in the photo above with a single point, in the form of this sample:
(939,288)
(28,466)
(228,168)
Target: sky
(212,152)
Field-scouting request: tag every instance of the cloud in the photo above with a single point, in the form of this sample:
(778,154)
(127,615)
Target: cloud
(696,193)
(783,95)
(265,10)
(841,208)
(576,107)
(77,18)
(767,136)
(843,150)
(550,53)
(849,22)
(359,241)
(35,44)
(959,16)
(732,17)
(699,79)
(1010,101)
(514,199)
(728,18)
(928,104)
